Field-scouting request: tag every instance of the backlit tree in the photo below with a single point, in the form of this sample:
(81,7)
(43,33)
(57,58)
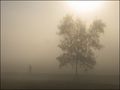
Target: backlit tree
(79,43)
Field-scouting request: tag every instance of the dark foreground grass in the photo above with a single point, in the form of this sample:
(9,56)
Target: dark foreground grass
(59,82)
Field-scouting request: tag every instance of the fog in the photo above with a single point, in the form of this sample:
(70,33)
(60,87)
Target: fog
(29,46)
(29,37)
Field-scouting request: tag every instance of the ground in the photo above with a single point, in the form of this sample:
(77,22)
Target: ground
(58,81)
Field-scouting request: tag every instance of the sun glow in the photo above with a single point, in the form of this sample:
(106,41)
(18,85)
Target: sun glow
(85,6)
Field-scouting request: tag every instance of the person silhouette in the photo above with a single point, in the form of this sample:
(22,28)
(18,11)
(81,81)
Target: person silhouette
(30,68)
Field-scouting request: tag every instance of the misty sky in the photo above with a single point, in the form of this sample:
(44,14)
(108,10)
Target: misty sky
(29,36)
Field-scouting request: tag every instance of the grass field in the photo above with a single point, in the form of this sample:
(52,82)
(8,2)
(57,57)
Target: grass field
(58,81)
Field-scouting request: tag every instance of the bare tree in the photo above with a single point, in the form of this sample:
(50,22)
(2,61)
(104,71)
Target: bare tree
(78,43)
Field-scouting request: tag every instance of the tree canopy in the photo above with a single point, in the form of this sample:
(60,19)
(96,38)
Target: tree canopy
(79,42)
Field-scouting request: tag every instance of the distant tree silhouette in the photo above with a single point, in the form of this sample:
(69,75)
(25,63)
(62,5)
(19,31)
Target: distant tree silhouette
(78,42)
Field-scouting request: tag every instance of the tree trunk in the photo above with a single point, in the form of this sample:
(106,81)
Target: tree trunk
(76,71)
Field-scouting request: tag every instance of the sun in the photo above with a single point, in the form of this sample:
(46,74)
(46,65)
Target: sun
(85,6)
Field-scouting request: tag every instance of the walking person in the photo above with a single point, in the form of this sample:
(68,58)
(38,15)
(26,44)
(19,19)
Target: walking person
(30,68)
